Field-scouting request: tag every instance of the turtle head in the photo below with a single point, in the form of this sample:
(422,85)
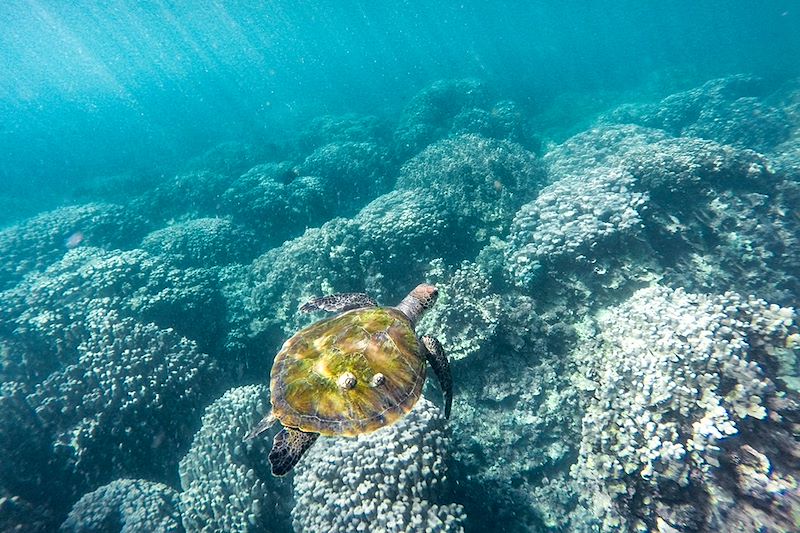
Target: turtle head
(426,295)
(418,301)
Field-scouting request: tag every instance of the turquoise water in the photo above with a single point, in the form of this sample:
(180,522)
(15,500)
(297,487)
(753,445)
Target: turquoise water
(605,195)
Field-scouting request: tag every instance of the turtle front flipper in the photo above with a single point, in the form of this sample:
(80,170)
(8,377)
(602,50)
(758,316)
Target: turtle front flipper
(336,303)
(287,449)
(441,367)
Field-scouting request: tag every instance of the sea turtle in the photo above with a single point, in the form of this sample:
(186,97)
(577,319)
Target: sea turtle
(351,373)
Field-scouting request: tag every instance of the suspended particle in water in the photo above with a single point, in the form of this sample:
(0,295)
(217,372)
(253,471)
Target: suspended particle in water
(74,240)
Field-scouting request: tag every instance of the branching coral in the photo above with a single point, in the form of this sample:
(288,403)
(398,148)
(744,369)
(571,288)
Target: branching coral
(34,244)
(126,506)
(686,417)
(389,480)
(226,482)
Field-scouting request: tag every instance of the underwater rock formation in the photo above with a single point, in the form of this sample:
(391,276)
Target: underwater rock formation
(399,232)
(281,200)
(201,242)
(127,506)
(707,216)
(390,480)
(576,217)
(124,407)
(600,385)
(188,195)
(448,107)
(729,110)
(228,159)
(346,128)
(33,244)
(466,315)
(430,113)
(482,180)
(689,426)
(44,317)
(352,172)
(226,482)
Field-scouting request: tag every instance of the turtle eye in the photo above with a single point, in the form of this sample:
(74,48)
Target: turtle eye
(432,298)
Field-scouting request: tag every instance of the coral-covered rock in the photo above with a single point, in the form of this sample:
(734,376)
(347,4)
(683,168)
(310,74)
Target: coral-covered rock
(482,180)
(631,204)
(353,128)
(353,173)
(728,110)
(226,481)
(43,318)
(602,146)
(279,201)
(202,242)
(689,422)
(574,218)
(34,244)
(194,194)
(430,113)
(19,515)
(124,407)
(126,506)
(398,233)
(228,158)
(389,480)
(466,315)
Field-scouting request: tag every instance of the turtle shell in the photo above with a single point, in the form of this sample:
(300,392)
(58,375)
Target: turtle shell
(304,390)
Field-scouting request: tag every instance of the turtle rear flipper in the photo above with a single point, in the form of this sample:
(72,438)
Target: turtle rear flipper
(261,427)
(336,303)
(441,367)
(287,449)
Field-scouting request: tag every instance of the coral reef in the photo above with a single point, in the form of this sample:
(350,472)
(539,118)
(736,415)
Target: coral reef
(127,506)
(479,179)
(575,217)
(399,232)
(631,203)
(125,406)
(226,482)
(352,172)
(448,107)
(35,243)
(608,373)
(229,158)
(389,480)
(275,202)
(342,129)
(45,317)
(280,200)
(430,113)
(729,110)
(466,315)
(688,427)
(202,242)
(193,194)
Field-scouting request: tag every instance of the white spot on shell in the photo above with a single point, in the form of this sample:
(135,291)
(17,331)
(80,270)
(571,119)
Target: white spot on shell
(346,381)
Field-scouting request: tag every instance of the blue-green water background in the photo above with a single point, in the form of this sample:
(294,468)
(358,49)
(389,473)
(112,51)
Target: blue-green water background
(101,88)
(378,145)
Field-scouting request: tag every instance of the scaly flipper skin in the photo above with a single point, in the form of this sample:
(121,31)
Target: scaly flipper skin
(262,426)
(287,449)
(441,367)
(336,303)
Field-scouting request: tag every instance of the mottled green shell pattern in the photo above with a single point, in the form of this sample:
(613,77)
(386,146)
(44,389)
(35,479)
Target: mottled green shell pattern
(304,390)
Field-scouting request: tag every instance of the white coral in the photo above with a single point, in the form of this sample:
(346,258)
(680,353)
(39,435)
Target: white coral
(389,480)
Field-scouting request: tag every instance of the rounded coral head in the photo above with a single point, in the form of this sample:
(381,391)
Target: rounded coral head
(426,295)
